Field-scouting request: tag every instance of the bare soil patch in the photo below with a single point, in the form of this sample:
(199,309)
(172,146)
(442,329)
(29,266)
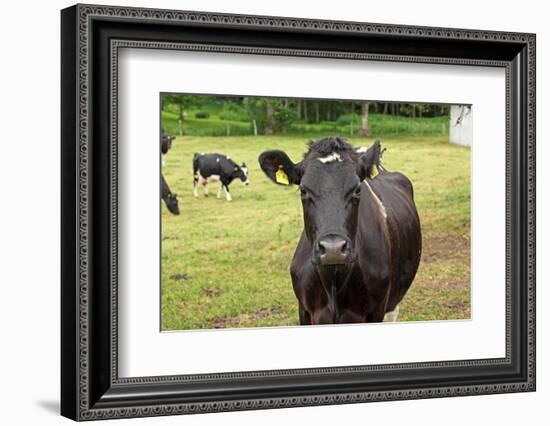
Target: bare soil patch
(446,247)
(211,292)
(225,322)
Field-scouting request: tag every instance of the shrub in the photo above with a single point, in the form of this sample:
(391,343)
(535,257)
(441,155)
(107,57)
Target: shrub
(202,114)
(234,112)
(345,119)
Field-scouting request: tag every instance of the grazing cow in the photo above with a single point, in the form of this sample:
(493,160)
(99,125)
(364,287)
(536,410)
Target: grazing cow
(216,167)
(171,200)
(360,247)
(372,157)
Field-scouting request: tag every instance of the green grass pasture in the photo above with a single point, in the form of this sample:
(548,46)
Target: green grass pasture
(225,264)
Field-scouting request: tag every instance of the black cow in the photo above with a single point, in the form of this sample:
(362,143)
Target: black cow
(171,200)
(361,244)
(216,167)
(372,157)
(165,141)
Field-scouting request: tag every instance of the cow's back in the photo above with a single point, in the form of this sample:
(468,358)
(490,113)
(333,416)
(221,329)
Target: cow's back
(206,164)
(213,164)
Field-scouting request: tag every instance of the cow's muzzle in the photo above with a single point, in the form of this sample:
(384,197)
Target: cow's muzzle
(332,250)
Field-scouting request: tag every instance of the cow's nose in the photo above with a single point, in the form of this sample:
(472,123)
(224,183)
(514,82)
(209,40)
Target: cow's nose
(333,250)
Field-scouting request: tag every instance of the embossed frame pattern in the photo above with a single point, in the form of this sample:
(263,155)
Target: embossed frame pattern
(91,37)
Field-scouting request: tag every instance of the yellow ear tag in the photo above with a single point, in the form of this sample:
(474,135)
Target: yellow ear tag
(281,177)
(375,171)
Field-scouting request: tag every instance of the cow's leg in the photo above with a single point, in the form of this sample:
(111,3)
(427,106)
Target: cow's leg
(195,185)
(303,315)
(348,316)
(377,314)
(220,190)
(392,316)
(205,188)
(227,194)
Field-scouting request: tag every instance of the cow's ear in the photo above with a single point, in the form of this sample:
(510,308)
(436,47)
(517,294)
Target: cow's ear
(279,168)
(369,160)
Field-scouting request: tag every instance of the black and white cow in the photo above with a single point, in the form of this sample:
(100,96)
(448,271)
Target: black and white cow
(171,200)
(165,144)
(165,141)
(216,167)
(372,157)
(361,243)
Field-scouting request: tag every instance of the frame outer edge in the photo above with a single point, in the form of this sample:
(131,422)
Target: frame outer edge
(69,193)
(531,200)
(81,318)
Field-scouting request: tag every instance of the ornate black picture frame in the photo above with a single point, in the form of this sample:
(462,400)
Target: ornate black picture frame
(91,36)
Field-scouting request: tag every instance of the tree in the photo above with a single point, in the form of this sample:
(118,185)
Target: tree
(255,108)
(317,118)
(269,115)
(351,118)
(179,102)
(182,103)
(364,130)
(269,118)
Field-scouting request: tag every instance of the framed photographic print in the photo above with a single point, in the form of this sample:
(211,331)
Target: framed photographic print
(263,212)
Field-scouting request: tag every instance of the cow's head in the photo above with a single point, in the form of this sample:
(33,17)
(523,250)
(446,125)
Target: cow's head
(330,182)
(172,203)
(166,143)
(243,174)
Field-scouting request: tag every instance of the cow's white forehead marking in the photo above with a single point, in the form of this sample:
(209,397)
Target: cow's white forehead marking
(330,158)
(378,201)
(361,150)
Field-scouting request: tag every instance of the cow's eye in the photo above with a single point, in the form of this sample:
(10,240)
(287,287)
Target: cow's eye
(303,192)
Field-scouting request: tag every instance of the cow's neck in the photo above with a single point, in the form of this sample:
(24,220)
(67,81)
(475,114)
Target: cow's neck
(334,280)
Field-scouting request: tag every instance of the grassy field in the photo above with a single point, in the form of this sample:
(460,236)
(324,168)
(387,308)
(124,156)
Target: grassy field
(226,264)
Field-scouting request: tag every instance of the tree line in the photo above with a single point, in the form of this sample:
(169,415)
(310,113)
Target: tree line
(275,115)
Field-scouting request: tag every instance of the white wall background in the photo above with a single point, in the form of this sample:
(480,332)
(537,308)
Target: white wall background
(29,217)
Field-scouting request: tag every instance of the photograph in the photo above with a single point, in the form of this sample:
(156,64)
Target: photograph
(279,212)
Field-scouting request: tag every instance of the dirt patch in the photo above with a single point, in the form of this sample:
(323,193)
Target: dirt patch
(456,304)
(226,322)
(179,277)
(446,247)
(211,292)
(221,322)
